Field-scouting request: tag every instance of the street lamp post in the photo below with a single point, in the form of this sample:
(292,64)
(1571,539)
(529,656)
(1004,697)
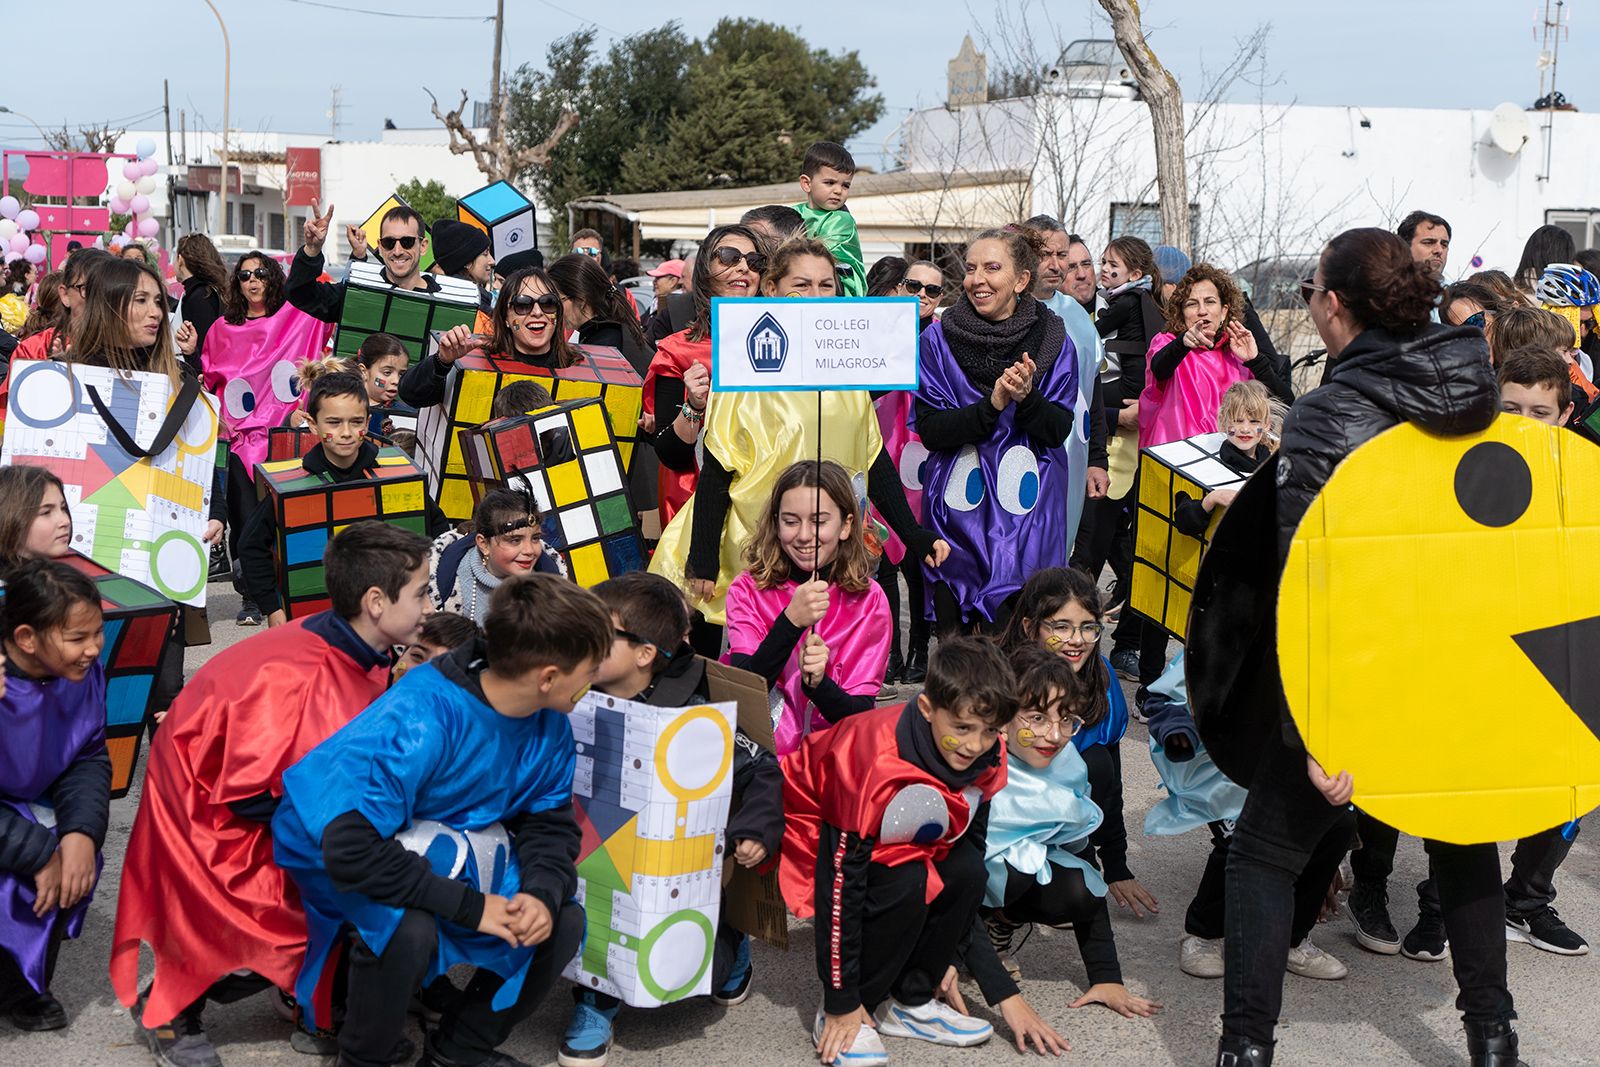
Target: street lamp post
(227,78)
(44,136)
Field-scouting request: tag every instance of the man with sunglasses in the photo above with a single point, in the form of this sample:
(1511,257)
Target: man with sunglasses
(402,242)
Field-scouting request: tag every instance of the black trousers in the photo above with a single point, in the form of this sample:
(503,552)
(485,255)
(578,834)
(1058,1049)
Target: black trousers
(1533,865)
(13,985)
(1102,539)
(1208,910)
(908,943)
(1066,899)
(226,990)
(381,988)
(947,621)
(916,597)
(241,503)
(1288,831)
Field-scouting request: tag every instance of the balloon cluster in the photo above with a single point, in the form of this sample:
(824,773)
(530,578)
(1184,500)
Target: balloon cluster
(131,196)
(16,225)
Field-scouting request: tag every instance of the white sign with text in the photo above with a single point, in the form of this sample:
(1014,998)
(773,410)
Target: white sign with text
(794,343)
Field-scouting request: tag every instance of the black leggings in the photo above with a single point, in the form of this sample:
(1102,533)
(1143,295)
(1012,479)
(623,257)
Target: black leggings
(1066,899)
(1207,912)
(916,605)
(947,619)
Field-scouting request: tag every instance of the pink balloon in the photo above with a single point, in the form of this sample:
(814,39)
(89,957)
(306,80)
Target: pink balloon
(28,219)
(34,254)
(140,205)
(20,243)
(150,167)
(149,227)
(118,206)
(131,170)
(152,244)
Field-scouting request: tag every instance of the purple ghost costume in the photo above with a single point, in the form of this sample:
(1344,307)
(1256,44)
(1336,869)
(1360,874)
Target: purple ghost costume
(1002,504)
(47,727)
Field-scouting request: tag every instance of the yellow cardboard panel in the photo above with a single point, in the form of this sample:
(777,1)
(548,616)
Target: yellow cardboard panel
(566,483)
(1441,623)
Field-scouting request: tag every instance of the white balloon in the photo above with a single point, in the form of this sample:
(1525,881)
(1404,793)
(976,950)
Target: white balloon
(8,229)
(126,191)
(145,185)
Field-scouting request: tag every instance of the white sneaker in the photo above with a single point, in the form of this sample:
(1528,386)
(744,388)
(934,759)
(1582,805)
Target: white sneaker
(1201,957)
(865,1051)
(934,1021)
(1309,961)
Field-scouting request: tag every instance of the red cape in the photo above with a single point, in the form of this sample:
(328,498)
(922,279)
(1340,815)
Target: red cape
(847,777)
(674,355)
(199,885)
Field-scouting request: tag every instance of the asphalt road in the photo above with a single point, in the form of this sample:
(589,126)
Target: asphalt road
(1389,1010)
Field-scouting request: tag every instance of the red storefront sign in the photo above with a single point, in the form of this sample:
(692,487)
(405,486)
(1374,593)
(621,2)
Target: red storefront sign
(304,184)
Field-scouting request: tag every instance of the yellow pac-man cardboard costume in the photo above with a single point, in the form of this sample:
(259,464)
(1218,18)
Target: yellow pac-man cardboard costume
(1166,560)
(1435,645)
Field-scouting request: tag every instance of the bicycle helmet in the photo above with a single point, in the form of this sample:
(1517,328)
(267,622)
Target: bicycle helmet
(1567,285)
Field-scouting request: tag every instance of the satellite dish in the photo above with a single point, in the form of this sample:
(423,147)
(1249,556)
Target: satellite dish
(1509,128)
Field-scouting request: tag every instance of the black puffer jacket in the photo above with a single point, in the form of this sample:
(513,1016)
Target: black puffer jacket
(1441,380)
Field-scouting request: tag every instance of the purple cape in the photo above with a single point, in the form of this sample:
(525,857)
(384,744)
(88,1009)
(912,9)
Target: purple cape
(1003,503)
(47,727)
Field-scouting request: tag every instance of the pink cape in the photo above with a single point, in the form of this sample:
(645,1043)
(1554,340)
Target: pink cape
(856,631)
(253,368)
(1186,405)
(906,451)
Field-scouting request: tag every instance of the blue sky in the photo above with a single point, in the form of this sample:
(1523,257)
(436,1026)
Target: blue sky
(1424,53)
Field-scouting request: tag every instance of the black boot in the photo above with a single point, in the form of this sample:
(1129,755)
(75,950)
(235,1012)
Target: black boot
(1242,1052)
(896,665)
(916,671)
(1492,1045)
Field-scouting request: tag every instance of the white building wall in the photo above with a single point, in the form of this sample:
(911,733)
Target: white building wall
(1278,180)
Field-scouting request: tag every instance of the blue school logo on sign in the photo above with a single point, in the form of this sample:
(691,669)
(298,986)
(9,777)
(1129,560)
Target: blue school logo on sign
(767,344)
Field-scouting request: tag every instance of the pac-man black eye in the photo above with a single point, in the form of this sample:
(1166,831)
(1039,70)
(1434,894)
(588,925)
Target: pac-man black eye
(1493,484)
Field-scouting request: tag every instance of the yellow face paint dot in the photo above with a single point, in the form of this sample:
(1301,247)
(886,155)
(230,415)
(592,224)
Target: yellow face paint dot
(1421,615)
(1053,643)
(950,743)
(1025,737)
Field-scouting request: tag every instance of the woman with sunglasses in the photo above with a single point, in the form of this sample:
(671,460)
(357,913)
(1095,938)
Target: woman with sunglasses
(527,327)
(1370,303)
(678,382)
(251,364)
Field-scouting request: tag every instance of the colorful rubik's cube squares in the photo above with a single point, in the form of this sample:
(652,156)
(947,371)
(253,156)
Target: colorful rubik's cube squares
(565,457)
(604,373)
(139,624)
(290,442)
(312,508)
(504,214)
(1166,562)
(374,225)
(372,305)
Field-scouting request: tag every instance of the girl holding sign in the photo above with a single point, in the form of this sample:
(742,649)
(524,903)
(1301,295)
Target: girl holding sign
(751,438)
(999,377)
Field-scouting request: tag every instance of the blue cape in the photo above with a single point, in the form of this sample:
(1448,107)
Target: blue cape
(427,757)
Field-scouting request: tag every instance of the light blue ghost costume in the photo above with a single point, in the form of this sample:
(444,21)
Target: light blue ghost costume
(1041,817)
(1090,349)
(1197,792)
(431,765)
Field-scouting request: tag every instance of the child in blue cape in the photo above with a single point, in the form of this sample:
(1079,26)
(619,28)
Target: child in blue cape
(439,825)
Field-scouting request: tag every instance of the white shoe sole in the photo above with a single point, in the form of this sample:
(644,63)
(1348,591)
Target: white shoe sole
(933,1033)
(1427,957)
(1372,944)
(1527,938)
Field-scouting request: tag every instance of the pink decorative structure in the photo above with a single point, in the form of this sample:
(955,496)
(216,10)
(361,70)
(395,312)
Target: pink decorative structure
(59,181)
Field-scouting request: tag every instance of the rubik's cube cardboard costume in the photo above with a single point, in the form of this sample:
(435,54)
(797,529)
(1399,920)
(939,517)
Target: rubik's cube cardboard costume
(1165,561)
(290,442)
(504,214)
(312,508)
(374,225)
(139,624)
(372,305)
(566,459)
(603,373)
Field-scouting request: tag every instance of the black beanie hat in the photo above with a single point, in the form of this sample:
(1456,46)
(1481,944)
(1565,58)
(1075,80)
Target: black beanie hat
(455,244)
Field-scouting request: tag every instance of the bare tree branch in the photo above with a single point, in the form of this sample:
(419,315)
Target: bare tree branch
(497,160)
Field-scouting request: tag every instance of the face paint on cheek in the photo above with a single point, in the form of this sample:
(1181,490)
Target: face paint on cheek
(1053,643)
(580,694)
(949,743)
(1025,738)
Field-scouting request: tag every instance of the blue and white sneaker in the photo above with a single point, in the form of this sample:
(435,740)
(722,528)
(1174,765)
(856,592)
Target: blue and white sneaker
(865,1051)
(588,1039)
(935,1021)
(736,990)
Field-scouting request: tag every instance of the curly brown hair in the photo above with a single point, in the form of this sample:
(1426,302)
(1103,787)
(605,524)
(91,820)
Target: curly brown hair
(853,562)
(1228,292)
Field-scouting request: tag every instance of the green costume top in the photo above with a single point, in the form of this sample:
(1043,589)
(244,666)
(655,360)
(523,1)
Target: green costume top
(837,230)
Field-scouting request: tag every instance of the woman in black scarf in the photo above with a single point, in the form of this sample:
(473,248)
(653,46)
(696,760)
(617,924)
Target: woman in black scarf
(999,375)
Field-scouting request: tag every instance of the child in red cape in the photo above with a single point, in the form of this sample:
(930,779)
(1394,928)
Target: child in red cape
(199,884)
(886,819)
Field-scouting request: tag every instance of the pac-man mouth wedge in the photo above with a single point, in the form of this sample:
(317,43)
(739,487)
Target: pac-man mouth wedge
(1434,643)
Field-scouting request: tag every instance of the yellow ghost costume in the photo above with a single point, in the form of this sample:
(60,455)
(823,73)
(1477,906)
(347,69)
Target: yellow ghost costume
(755,436)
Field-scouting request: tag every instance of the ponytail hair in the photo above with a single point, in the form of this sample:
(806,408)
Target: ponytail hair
(1378,281)
(1025,245)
